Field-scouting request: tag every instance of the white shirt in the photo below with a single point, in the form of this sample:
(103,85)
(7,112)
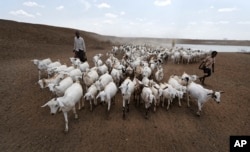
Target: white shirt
(79,44)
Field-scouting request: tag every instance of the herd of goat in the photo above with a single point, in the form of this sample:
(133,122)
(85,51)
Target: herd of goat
(137,75)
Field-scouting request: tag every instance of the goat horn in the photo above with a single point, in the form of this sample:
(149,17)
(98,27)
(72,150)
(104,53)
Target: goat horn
(165,88)
(44,105)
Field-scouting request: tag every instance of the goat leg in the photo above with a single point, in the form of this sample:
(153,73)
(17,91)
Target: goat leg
(123,112)
(127,107)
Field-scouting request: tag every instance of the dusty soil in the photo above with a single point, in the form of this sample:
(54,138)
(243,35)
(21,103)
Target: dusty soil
(25,126)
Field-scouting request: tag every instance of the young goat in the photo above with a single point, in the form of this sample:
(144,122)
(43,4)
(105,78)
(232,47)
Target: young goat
(90,95)
(127,89)
(66,103)
(108,94)
(202,95)
(148,98)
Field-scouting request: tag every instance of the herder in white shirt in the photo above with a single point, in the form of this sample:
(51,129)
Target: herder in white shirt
(79,47)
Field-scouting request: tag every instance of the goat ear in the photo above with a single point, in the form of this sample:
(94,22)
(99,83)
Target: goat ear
(221,91)
(145,85)
(165,88)
(155,87)
(45,105)
(97,96)
(60,103)
(140,82)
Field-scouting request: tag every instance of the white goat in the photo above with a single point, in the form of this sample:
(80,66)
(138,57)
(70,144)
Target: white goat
(129,71)
(180,88)
(116,75)
(41,65)
(90,95)
(53,80)
(97,60)
(51,67)
(103,81)
(146,71)
(102,69)
(188,78)
(108,94)
(75,74)
(74,61)
(89,77)
(176,56)
(109,63)
(147,82)
(66,103)
(157,92)
(202,95)
(127,89)
(59,89)
(82,66)
(59,69)
(169,93)
(159,74)
(148,98)
(68,69)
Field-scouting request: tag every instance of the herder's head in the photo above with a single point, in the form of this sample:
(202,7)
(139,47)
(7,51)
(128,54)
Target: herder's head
(77,33)
(214,53)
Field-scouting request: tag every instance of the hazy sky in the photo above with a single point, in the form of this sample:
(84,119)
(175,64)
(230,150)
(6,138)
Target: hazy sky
(203,19)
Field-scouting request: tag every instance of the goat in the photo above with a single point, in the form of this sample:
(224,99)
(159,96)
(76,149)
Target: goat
(180,88)
(97,60)
(138,89)
(202,95)
(102,69)
(116,75)
(108,94)
(59,89)
(89,77)
(51,67)
(82,66)
(58,69)
(127,89)
(41,65)
(168,92)
(148,98)
(159,74)
(66,103)
(90,95)
(53,80)
(103,81)
(157,92)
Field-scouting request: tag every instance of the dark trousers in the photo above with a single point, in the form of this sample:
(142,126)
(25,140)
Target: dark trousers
(81,55)
(207,71)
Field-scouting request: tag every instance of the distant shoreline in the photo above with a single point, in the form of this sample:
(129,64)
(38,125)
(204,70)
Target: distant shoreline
(141,40)
(215,42)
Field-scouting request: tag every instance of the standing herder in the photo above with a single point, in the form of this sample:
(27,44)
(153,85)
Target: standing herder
(207,66)
(79,47)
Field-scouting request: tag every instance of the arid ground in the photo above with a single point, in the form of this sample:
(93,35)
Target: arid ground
(25,126)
